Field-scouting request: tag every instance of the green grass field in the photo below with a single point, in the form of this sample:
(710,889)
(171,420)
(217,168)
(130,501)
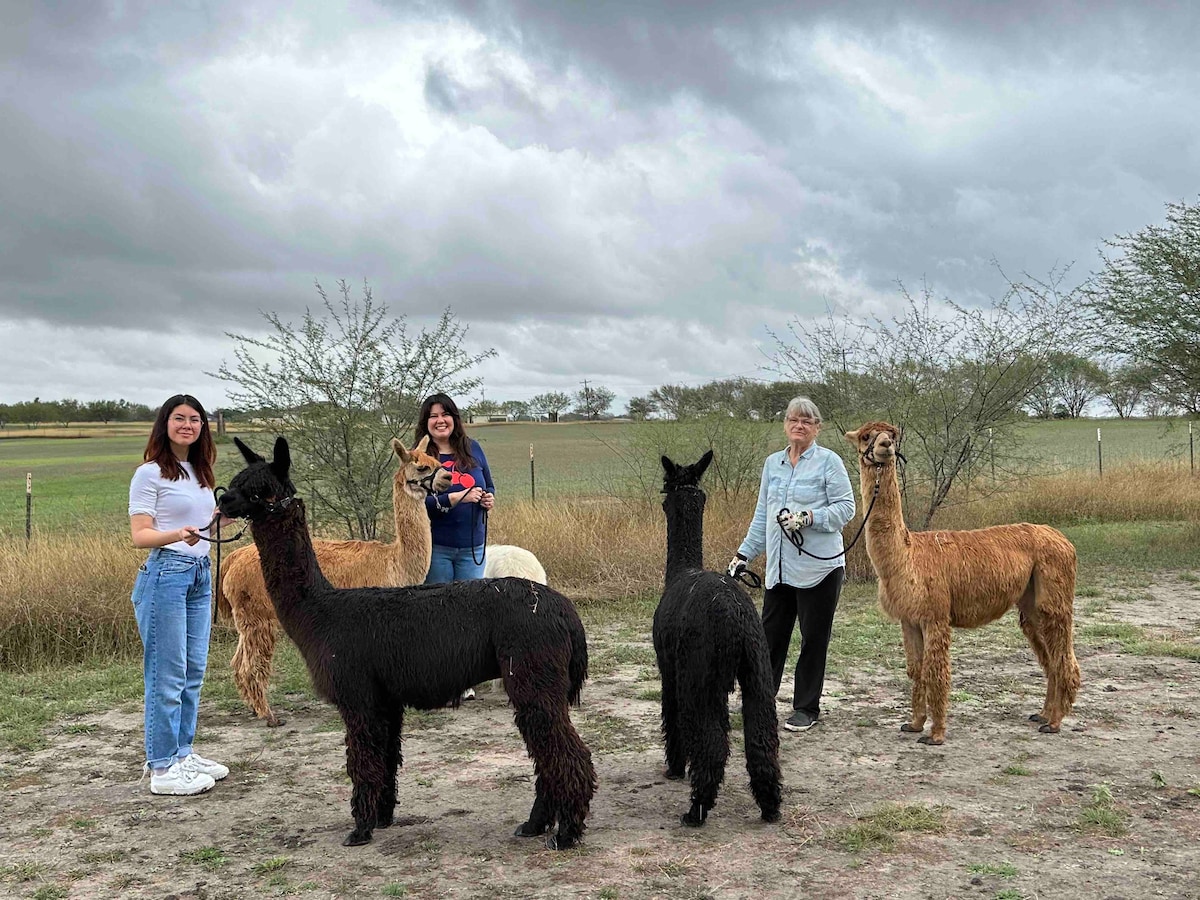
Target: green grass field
(81,475)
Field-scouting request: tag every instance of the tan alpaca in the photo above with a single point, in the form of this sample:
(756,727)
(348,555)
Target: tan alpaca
(932,580)
(403,562)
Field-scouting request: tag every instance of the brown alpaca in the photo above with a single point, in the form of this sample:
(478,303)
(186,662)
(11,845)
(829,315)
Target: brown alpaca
(930,581)
(346,564)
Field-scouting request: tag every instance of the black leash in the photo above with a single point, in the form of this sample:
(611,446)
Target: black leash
(748,578)
(796,538)
(218,540)
(479,511)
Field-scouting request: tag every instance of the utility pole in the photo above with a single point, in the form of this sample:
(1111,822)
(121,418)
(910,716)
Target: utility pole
(587,399)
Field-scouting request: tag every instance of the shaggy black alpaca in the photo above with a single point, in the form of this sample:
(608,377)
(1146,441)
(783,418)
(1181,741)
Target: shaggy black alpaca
(373,651)
(707,632)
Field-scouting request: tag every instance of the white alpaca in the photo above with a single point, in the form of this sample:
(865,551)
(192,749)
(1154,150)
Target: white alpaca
(517,562)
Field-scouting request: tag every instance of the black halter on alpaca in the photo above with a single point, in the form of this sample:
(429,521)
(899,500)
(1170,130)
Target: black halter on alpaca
(373,651)
(707,635)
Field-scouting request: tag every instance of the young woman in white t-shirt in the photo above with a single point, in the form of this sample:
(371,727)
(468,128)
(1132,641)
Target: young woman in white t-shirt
(170,503)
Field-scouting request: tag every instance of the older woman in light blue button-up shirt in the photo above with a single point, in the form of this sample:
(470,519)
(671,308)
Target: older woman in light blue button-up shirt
(804,489)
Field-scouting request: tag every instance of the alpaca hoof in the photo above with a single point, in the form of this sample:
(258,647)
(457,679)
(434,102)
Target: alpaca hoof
(274,721)
(385,821)
(1039,718)
(770,815)
(1049,729)
(357,837)
(673,775)
(908,729)
(528,829)
(931,740)
(691,821)
(561,842)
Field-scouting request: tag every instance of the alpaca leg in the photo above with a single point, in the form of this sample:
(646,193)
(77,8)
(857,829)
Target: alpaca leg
(935,679)
(541,817)
(914,653)
(760,728)
(1062,671)
(395,758)
(252,666)
(1055,602)
(366,763)
(1031,625)
(566,778)
(709,719)
(673,740)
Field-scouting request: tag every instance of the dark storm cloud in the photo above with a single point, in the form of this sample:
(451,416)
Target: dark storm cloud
(633,188)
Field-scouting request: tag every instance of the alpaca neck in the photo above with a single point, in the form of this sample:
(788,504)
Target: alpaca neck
(887,535)
(290,568)
(413,546)
(685,532)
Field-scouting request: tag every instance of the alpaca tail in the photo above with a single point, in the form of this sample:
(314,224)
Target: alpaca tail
(760,724)
(577,666)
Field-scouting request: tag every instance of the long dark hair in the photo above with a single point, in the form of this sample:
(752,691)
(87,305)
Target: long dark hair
(201,454)
(460,444)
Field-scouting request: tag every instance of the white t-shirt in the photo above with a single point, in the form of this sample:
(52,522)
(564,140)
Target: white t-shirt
(173,504)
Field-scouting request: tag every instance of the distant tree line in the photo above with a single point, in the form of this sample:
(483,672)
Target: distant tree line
(71,412)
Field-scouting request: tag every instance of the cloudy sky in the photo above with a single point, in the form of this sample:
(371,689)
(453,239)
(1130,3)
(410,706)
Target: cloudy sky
(628,192)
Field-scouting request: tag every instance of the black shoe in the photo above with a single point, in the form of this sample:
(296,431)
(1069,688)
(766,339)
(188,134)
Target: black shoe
(799,721)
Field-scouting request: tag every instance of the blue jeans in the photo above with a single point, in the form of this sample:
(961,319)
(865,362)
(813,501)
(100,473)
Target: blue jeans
(454,564)
(172,600)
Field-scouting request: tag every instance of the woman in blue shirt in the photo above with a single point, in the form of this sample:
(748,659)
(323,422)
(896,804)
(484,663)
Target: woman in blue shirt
(812,484)
(456,515)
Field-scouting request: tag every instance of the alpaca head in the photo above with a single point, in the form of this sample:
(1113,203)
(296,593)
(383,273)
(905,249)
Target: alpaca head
(261,487)
(676,477)
(877,443)
(419,473)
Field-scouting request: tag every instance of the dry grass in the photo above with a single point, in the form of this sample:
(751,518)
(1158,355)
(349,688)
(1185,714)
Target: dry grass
(1138,492)
(66,598)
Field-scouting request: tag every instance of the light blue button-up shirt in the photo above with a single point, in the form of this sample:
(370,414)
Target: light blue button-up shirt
(818,481)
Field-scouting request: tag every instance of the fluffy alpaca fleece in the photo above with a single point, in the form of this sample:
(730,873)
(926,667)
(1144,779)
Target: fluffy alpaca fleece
(373,651)
(707,634)
(242,593)
(934,580)
(505,560)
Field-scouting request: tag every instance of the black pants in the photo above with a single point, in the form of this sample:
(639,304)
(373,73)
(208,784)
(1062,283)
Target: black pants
(814,607)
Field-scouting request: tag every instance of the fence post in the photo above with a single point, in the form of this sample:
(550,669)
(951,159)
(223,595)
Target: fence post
(1191,449)
(28,507)
(1099,453)
(992,453)
(532,478)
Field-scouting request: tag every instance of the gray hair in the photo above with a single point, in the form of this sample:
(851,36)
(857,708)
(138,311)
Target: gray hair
(802,406)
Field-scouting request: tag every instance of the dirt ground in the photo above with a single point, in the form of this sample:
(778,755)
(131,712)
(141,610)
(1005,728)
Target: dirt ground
(1011,802)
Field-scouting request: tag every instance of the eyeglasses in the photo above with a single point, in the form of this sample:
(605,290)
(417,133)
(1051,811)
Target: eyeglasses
(186,420)
(807,423)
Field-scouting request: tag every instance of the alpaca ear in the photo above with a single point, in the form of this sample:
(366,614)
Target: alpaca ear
(669,467)
(398,449)
(702,464)
(282,463)
(247,454)
(852,436)
(422,445)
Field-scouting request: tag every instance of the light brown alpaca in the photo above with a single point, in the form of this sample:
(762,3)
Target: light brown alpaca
(346,564)
(930,581)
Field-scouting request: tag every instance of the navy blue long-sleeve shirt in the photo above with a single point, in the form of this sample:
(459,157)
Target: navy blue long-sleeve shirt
(460,526)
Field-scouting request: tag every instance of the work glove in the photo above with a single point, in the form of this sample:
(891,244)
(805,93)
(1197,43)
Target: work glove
(793,522)
(737,566)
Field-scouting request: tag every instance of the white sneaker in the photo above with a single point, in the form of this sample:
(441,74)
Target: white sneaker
(180,781)
(194,762)
(468,694)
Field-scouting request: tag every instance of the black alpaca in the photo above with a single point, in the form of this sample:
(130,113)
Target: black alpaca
(373,651)
(707,633)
